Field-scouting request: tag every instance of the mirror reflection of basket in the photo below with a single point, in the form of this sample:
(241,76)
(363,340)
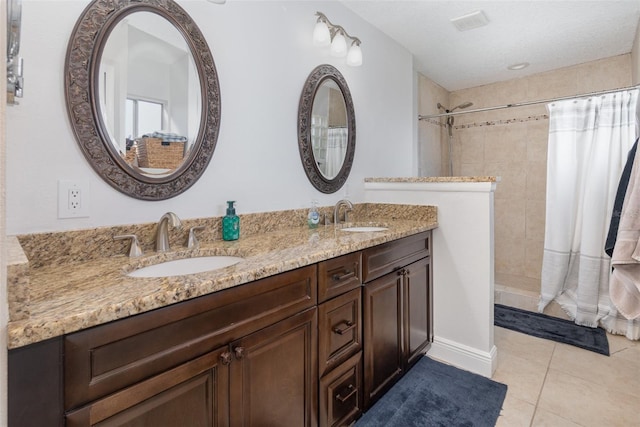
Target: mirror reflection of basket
(156,153)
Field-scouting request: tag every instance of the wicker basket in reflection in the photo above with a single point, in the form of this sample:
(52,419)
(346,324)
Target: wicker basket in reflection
(155,153)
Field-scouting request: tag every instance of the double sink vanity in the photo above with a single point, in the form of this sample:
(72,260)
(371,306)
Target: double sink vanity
(307,327)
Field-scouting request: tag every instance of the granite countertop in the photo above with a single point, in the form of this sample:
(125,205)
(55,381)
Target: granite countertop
(71,296)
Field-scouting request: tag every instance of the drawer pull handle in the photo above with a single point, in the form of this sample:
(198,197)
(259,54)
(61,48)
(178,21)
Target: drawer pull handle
(347,275)
(351,391)
(239,351)
(349,325)
(225,358)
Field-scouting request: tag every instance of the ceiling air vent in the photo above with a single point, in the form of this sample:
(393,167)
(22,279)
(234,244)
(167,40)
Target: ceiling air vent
(470,21)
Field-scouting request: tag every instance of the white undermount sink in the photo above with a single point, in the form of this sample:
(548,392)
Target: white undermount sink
(184,266)
(364,229)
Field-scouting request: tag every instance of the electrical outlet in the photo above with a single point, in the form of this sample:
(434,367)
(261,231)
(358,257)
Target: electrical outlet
(73,199)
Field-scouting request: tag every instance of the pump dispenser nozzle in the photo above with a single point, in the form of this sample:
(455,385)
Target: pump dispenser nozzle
(231,210)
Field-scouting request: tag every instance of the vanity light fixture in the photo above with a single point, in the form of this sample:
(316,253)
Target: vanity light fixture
(327,34)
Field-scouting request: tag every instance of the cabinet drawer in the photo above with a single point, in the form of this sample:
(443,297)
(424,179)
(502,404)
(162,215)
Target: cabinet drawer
(382,259)
(101,360)
(340,334)
(338,275)
(341,394)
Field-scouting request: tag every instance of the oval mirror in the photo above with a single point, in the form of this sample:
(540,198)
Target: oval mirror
(326,129)
(143,96)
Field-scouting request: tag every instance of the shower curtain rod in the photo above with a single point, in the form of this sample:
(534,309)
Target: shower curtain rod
(524,104)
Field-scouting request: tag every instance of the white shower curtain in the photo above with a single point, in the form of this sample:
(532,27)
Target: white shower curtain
(336,150)
(589,140)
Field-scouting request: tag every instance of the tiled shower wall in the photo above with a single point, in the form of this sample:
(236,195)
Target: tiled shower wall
(512,144)
(431,158)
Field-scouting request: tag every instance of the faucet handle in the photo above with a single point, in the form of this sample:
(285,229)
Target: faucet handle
(134,250)
(192,242)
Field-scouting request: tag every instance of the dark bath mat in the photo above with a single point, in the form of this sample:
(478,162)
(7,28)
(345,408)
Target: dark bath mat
(551,328)
(435,394)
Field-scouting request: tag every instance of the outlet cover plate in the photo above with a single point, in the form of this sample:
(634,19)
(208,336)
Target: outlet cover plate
(73,199)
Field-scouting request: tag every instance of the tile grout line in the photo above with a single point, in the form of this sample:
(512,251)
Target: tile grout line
(546,373)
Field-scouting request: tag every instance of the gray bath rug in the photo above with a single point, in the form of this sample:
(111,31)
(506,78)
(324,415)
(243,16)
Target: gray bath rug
(433,394)
(551,328)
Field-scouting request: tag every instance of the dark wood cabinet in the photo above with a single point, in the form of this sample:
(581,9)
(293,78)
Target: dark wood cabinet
(339,275)
(266,378)
(340,330)
(183,364)
(340,340)
(107,358)
(341,393)
(417,292)
(383,331)
(397,314)
(274,376)
(313,346)
(194,394)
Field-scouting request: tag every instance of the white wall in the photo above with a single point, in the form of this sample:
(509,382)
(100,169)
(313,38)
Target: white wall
(463,266)
(263,53)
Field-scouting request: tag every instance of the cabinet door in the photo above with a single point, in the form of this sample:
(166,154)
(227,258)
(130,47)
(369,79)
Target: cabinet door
(383,362)
(274,375)
(194,394)
(417,311)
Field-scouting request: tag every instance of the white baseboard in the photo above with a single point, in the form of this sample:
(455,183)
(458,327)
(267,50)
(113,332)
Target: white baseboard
(464,357)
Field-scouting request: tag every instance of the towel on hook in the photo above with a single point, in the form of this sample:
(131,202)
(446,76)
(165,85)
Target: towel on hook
(620,196)
(624,283)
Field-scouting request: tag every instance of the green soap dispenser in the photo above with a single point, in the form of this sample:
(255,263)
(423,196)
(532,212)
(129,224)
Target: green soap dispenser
(230,223)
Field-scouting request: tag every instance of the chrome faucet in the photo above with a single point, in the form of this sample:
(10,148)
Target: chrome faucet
(162,233)
(336,210)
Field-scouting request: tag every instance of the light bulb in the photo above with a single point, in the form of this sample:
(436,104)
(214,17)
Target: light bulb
(339,45)
(321,35)
(354,56)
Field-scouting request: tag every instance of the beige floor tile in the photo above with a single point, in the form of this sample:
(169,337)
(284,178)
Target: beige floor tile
(525,346)
(587,403)
(523,377)
(620,346)
(615,372)
(544,418)
(515,413)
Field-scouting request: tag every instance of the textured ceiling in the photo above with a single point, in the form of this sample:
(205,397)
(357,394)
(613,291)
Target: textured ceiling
(546,34)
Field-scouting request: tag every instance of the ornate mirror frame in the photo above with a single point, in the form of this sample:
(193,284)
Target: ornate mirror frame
(81,91)
(315,79)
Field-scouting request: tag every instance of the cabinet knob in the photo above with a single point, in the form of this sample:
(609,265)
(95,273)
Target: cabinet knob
(225,358)
(239,352)
(351,390)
